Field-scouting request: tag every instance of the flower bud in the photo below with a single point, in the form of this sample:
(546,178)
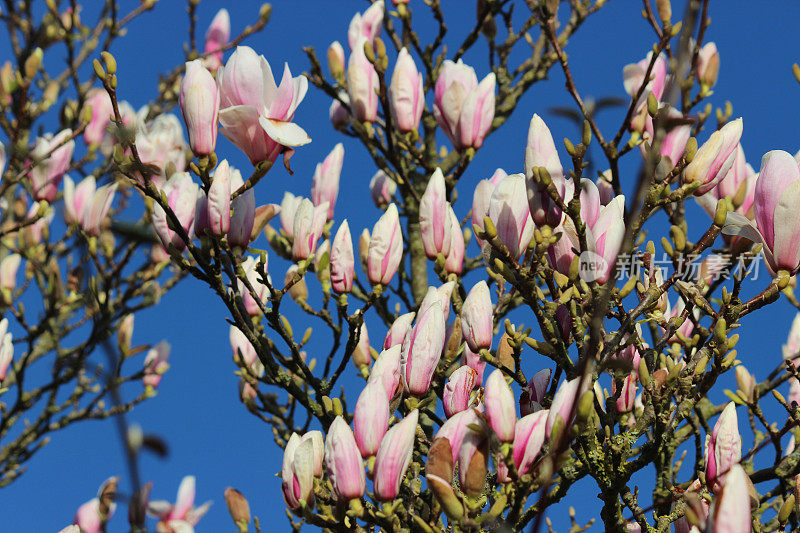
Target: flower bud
(217,36)
(458,389)
(382,189)
(199,101)
(509,211)
(299,290)
(48,170)
(181,194)
(529,435)
(336,60)
(343,462)
(362,84)
(708,65)
(155,364)
(386,370)
(219,203)
(309,221)
(102,109)
(289,206)
(530,400)
(723,447)
(6,349)
(562,406)
(298,472)
(422,347)
(463,108)
(371,418)
(730,512)
(385,248)
(342,260)
(476,317)
(714,159)
(361,354)
(474,361)
(394,456)
(541,152)
(434,219)
(397,333)
(260,289)
(366,25)
(406,93)
(500,406)
(238,507)
(325,186)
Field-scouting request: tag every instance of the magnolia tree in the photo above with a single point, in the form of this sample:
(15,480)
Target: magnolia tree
(450,427)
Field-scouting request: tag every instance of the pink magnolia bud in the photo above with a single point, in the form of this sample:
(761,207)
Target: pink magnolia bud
(289,206)
(155,364)
(261,290)
(382,189)
(394,456)
(739,184)
(463,108)
(385,248)
(500,406)
(298,472)
(482,196)
(88,517)
(397,333)
(362,356)
(362,84)
(406,93)
(336,59)
(530,400)
(217,36)
(476,317)
(71,529)
(325,187)
(218,205)
(700,509)
(371,418)
(541,152)
(604,187)
(160,142)
(102,110)
(627,395)
(199,101)
(456,428)
(458,389)
(343,462)
(43,216)
(529,435)
(181,193)
(365,25)
(730,512)
(309,221)
(510,214)
(86,206)
(6,349)
(342,260)
(8,271)
(708,65)
(454,263)
(434,219)
(338,114)
(243,350)
(386,370)
(715,158)
(634,78)
(675,137)
(605,238)
(776,195)
(562,406)
(474,361)
(255,113)
(723,446)
(53,155)
(422,347)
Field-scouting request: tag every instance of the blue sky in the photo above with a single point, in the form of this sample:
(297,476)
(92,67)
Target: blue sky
(197,411)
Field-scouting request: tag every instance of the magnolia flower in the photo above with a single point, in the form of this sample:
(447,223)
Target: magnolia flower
(397,332)
(723,446)
(406,93)
(181,193)
(422,347)
(540,152)
(199,101)
(92,515)
(298,472)
(458,390)
(386,370)
(366,25)
(51,156)
(160,142)
(463,108)
(343,462)
(382,189)
(325,184)
(434,219)
(394,456)
(371,418)
(155,364)
(309,221)
(183,513)
(500,406)
(342,260)
(256,113)
(102,109)
(217,36)
(508,209)
(362,84)
(476,317)
(260,289)
(86,205)
(714,159)
(6,349)
(385,247)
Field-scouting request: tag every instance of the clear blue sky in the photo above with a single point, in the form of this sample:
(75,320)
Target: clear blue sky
(197,410)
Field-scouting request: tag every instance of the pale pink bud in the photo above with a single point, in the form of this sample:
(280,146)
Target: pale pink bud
(386,370)
(181,193)
(422,347)
(362,356)
(256,114)
(508,209)
(540,151)
(298,472)
(482,197)
(434,219)
(777,195)
(199,101)
(343,462)
(606,236)
(8,271)
(456,428)
(406,94)
(397,333)
(394,456)
(458,389)
(708,64)
(730,512)
(155,364)
(675,137)
(463,108)
(500,406)
(362,84)
(309,221)
(723,446)
(338,114)
(325,186)
(289,206)
(342,260)
(242,349)
(218,205)
(46,175)
(385,248)
(529,435)
(634,77)
(260,289)
(318,441)
(562,406)
(71,529)
(371,418)
(739,184)
(476,317)
(454,263)
(604,187)
(336,59)
(474,361)
(382,189)
(217,36)
(530,400)
(700,509)
(715,158)
(366,25)
(627,395)
(160,142)
(6,349)
(77,198)
(102,110)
